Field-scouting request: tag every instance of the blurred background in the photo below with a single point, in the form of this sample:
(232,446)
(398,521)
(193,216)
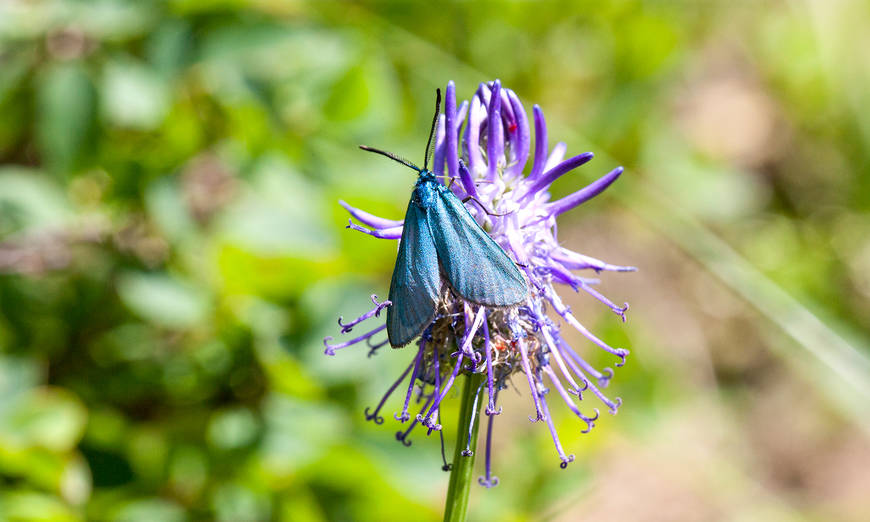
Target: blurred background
(172,254)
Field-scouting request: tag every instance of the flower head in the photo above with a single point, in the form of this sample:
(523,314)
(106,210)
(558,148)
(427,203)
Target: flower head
(487,161)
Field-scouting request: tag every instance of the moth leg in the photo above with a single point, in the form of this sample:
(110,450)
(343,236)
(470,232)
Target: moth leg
(483,206)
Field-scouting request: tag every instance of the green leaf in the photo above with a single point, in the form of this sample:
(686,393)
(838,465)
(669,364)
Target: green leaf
(133,95)
(65,120)
(24,505)
(51,418)
(169,47)
(150,510)
(17,374)
(232,428)
(167,208)
(113,20)
(282,214)
(163,299)
(235,502)
(29,200)
(298,433)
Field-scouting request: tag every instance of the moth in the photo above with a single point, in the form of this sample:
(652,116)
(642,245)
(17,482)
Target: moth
(442,243)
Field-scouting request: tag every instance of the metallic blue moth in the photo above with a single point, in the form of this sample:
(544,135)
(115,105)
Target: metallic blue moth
(442,242)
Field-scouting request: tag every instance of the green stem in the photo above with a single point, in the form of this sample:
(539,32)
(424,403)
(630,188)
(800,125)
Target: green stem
(456,507)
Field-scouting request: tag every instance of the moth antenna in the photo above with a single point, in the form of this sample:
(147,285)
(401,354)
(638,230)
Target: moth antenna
(390,155)
(430,149)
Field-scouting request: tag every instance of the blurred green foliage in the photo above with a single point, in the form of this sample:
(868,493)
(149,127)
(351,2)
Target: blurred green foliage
(173,255)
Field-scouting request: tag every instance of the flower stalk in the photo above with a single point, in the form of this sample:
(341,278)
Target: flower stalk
(468,425)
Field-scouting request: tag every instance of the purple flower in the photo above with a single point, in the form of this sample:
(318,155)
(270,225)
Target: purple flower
(487,160)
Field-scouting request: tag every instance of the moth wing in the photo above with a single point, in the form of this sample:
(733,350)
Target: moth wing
(416,280)
(475,265)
